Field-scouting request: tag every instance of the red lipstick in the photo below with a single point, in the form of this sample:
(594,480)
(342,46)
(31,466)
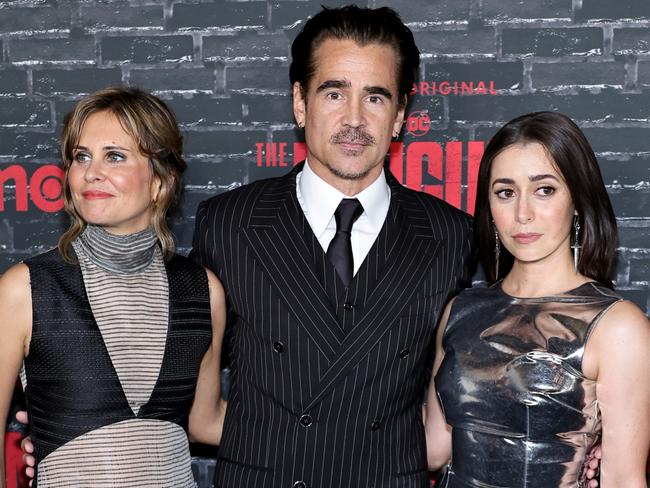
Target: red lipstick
(526,237)
(95,195)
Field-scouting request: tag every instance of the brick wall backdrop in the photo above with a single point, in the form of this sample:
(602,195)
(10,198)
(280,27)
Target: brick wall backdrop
(222,66)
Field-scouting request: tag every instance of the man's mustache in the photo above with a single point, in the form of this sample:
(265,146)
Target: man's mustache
(353,135)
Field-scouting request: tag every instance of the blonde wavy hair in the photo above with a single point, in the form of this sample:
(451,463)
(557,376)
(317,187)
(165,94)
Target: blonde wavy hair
(153,126)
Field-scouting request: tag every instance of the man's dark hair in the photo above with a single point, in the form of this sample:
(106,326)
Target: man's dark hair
(363,26)
(573,157)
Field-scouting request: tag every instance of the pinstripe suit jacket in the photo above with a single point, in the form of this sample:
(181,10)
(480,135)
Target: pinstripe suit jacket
(327,383)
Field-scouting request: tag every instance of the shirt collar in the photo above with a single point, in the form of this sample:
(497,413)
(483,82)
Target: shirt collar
(321,199)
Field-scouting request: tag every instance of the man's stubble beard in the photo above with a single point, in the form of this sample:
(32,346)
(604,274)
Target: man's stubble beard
(352,135)
(351,176)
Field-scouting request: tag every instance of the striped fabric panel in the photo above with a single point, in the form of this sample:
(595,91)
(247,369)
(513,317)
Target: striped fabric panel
(132,312)
(137,452)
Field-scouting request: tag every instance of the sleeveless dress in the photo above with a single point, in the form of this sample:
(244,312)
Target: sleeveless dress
(117,341)
(512,388)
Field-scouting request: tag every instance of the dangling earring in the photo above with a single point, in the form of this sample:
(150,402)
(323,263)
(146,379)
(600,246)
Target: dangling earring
(497,251)
(576,242)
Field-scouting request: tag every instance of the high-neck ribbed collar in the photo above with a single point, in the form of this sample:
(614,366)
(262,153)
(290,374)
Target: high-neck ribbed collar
(124,254)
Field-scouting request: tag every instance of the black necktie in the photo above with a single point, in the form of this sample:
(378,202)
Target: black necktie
(340,249)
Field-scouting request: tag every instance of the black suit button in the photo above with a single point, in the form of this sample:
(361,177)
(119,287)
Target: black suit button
(278,347)
(404,353)
(375,425)
(348,306)
(300,484)
(305,420)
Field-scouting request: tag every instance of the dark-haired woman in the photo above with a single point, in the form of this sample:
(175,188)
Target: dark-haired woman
(546,363)
(116,332)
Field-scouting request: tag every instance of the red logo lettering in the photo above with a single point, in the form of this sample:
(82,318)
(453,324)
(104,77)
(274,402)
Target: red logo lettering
(418,123)
(45,187)
(449,87)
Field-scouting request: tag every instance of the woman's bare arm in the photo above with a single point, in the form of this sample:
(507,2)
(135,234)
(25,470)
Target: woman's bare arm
(209,409)
(618,356)
(438,433)
(15,331)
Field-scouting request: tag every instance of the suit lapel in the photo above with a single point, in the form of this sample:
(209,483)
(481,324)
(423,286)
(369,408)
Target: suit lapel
(409,250)
(275,235)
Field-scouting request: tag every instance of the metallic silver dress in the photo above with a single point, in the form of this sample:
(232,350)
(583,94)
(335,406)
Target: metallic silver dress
(512,388)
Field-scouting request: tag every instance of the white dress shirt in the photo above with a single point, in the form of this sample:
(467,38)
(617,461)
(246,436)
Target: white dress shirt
(319,200)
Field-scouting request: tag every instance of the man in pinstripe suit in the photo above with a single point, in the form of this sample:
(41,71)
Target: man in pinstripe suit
(330,358)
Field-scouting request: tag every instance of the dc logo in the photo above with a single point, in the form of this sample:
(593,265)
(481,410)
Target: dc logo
(418,123)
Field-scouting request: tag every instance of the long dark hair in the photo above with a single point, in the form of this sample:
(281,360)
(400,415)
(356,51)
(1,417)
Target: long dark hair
(574,158)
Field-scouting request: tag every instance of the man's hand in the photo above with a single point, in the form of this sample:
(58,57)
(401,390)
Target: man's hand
(27,447)
(593,466)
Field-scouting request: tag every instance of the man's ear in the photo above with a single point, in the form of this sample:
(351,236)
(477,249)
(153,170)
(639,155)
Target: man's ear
(299,104)
(399,119)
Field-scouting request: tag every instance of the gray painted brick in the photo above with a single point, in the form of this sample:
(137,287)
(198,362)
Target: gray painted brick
(634,234)
(607,9)
(183,231)
(108,16)
(61,107)
(148,49)
(29,145)
(24,113)
(618,139)
(272,109)
(640,270)
(437,134)
(260,173)
(213,174)
(245,46)
(218,14)
(486,133)
(631,203)
(288,13)
(13,81)
(466,42)
(434,106)
(192,201)
(35,19)
(628,170)
(631,41)
(80,49)
(222,142)
(587,73)
(288,135)
(425,10)
(504,74)
(506,10)
(177,78)
(643,73)
(609,105)
(42,233)
(552,42)
(202,110)
(6,236)
(74,82)
(260,78)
